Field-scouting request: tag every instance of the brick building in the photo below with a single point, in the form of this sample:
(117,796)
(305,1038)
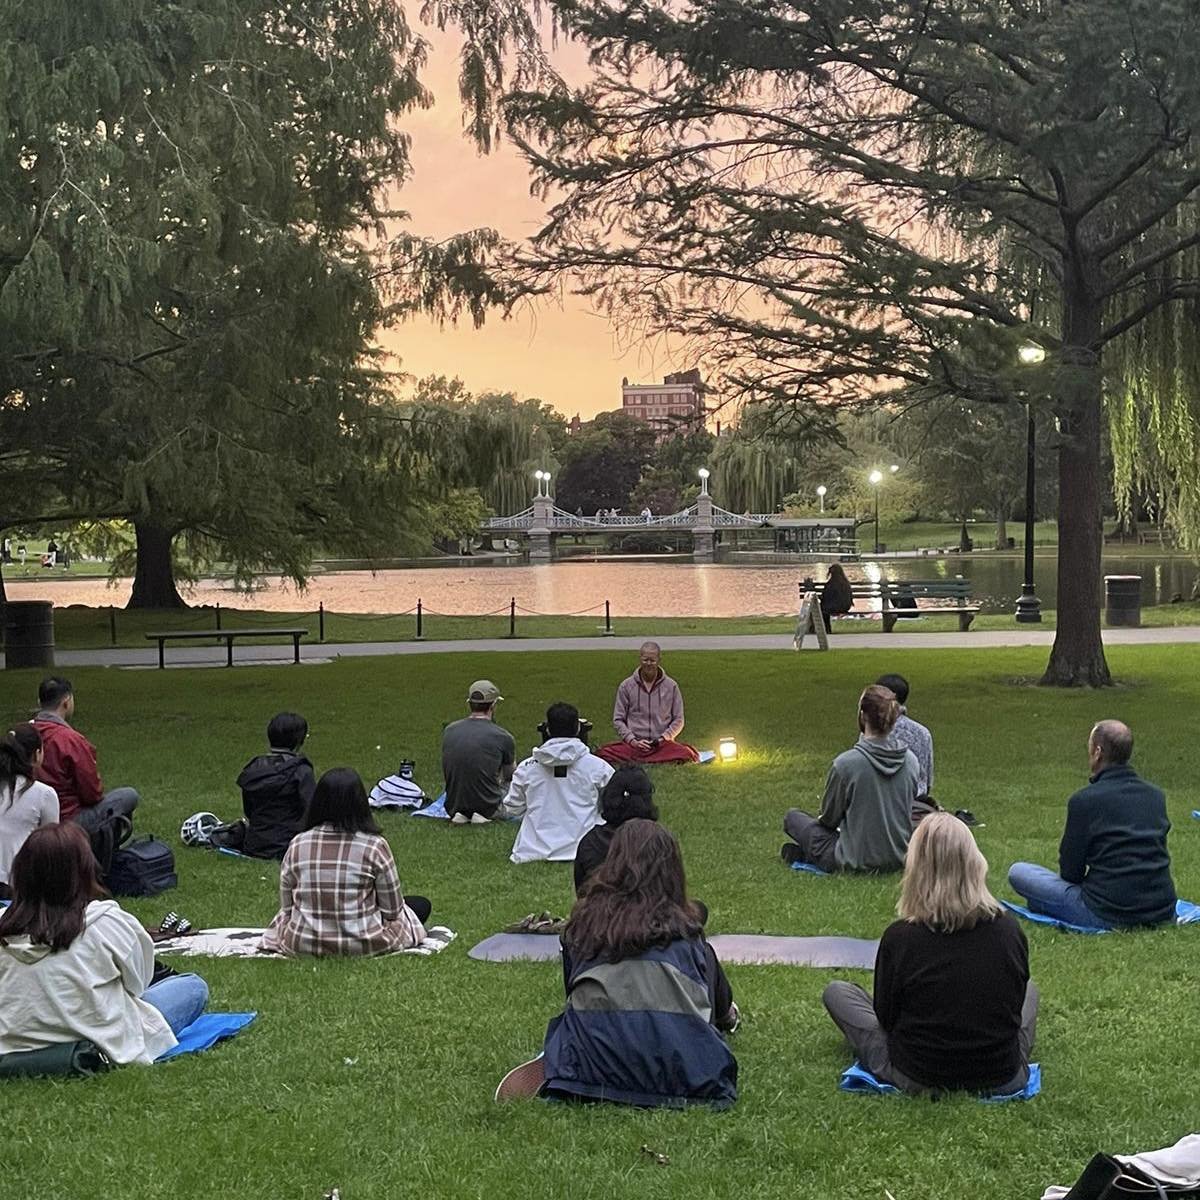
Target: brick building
(674,406)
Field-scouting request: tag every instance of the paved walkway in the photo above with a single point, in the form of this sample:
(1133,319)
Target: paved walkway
(318,652)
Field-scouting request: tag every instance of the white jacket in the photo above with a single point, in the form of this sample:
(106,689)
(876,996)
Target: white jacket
(91,990)
(27,807)
(556,810)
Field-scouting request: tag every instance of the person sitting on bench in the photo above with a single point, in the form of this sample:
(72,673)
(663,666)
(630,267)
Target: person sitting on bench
(648,714)
(339,892)
(1113,865)
(866,813)
(837,596)
(647,1001)
(69,767)
(628,796)
(556,791)
(25,804)
(954,1008)
(74,966)
(277,788)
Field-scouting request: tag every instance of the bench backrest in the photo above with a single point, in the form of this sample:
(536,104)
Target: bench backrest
(930,589)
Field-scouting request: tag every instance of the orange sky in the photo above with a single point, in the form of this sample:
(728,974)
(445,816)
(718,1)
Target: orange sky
(564,354)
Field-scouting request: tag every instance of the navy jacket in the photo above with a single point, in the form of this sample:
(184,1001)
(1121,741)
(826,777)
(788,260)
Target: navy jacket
(1115,845)
(640,1032)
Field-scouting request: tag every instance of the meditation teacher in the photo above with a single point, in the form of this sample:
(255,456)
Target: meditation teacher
(648,714)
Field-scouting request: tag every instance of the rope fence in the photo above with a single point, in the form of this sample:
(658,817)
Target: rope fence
(321,621)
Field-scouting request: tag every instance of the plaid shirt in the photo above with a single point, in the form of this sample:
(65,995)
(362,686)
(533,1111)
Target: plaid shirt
(339,893)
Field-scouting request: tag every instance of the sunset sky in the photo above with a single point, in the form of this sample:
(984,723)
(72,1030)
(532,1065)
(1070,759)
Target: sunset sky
(566,354)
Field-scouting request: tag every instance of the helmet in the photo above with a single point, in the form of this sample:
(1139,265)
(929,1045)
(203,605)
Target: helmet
(196,830)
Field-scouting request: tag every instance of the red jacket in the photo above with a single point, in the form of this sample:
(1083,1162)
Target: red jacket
(68,766)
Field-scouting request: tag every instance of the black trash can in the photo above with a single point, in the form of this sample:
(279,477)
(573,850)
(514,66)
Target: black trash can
(29,633)
(1123,600)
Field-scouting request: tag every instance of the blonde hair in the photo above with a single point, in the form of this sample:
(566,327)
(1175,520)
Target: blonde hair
(945,877)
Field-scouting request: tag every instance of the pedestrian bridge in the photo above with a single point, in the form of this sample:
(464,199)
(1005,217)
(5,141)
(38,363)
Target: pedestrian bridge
(558,520)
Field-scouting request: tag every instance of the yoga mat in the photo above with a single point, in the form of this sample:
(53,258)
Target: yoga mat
(1186,913)
(236,853)
(808,868)
(437,809)
(748,949)
(1196,814)
(856,1078)
(206,1031)
(707,756)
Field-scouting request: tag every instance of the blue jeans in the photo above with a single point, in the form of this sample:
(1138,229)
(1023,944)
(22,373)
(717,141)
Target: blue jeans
(180,999)
(1052,896)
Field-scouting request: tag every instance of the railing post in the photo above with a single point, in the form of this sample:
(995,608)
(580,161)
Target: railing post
(218,614)
(608,629)
(512,617)
(321,621)
(112,624)
(420,633)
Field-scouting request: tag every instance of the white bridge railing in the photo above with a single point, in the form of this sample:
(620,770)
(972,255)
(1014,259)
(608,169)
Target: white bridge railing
(688,518)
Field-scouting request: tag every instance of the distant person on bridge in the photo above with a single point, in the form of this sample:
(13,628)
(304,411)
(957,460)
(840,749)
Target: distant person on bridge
(647,515)
(648,715)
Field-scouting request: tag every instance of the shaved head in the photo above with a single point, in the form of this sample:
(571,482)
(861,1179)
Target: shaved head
(1113,740)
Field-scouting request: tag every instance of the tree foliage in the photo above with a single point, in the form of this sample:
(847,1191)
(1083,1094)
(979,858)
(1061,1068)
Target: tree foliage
(840,198)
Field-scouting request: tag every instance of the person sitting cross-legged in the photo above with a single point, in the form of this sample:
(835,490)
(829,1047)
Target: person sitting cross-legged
(556,791)
(647,1001)
(627,796)
(478,759)
(954,1008)
(866,813)
(339,892)
(1113,865)
(648,714)
(74,966)
(25,804)
(277,788)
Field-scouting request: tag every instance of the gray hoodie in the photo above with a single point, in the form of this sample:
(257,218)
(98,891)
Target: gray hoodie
(869,796)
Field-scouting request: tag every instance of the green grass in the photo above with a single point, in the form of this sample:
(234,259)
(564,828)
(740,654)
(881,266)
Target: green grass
(376,1077)
(79,628)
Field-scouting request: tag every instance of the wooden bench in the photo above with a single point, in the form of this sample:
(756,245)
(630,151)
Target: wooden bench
(900,599)
(226,635)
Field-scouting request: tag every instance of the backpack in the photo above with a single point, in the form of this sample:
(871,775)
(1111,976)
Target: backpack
(143,867)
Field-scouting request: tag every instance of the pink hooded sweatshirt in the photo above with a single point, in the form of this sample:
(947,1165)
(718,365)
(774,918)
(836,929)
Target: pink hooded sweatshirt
(651,713)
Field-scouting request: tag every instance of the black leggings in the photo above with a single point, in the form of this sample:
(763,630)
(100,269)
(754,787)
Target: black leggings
(420,906)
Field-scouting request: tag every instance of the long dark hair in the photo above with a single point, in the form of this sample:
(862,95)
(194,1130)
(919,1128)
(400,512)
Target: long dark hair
(629,794)
(340,800)
(637,898)
(53,880)
(18,749)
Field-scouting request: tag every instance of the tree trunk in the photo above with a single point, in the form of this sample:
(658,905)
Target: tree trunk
(1077,658)
(1002,525)
(154,574)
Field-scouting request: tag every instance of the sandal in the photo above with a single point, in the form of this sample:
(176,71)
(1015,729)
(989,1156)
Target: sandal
(543,922)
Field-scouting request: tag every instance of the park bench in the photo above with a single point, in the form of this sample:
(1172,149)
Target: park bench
(899,599)
(228,636)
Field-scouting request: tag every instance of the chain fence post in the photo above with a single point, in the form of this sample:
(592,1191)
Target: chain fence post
(321,620)
(420,629)
(112,624)
(512,617)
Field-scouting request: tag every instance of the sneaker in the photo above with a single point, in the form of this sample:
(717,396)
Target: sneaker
(460,819)
(479,819)
(791,853)
(732,1020)
(523,1082)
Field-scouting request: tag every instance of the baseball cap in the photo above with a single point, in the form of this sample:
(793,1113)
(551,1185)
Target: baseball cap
(484,691)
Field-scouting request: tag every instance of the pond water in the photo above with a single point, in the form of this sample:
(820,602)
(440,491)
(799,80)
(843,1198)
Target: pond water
(661,587)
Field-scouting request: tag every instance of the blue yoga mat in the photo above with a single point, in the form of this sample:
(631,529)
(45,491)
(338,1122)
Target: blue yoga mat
(206,1031)
(1186,913)
(810,868)
(1196,813)
(856,1078)
(437,809)
(233,853)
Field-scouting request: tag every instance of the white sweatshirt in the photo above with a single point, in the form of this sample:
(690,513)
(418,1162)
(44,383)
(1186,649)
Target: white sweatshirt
(27,807)
(91,990)
(556,809)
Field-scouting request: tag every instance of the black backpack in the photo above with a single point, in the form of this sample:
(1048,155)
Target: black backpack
(143,867)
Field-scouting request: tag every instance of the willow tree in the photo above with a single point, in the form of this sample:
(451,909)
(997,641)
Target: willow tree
(197,246)
(837,198)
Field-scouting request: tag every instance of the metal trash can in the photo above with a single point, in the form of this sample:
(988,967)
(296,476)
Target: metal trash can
(1123,601)
(29,633)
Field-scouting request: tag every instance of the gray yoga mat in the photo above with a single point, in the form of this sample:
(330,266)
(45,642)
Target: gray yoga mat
(743,948)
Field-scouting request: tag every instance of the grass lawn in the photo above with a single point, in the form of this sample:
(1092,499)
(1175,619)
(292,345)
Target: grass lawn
(376,1077)
(79,628)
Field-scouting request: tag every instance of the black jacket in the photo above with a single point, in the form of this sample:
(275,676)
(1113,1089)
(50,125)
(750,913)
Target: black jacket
(276,788)
(1115,845)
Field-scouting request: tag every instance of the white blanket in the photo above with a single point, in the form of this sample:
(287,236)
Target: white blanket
(247,943)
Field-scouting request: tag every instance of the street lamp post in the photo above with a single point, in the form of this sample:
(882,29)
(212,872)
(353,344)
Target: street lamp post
(876,478)
(821,496)
(1029,607)
(704,474)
